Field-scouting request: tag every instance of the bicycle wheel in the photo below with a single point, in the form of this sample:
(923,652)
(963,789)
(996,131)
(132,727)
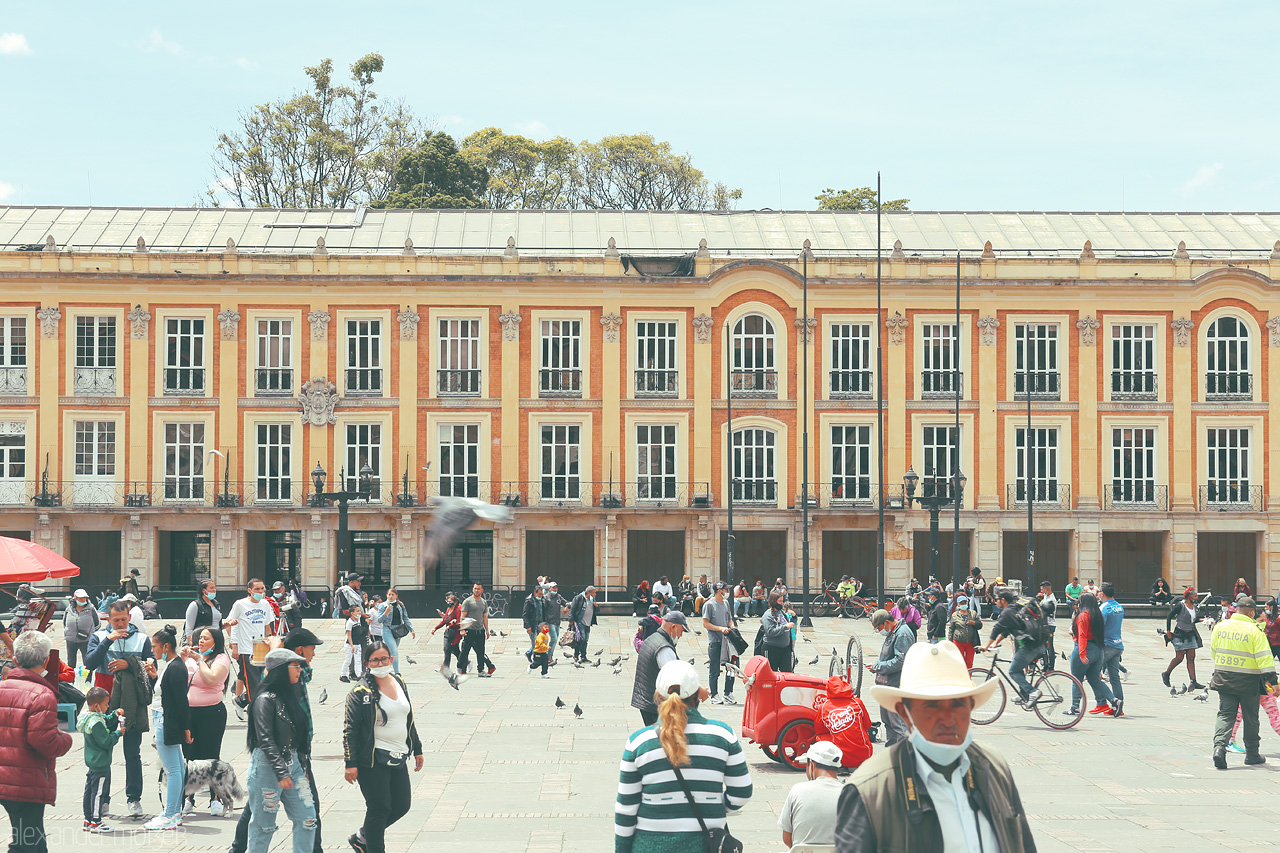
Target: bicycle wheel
(818,605)
(990,712)
(853,663)
(1055,698)
(858,609)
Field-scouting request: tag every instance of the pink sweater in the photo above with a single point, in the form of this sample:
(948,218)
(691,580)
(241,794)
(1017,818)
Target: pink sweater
(201,693)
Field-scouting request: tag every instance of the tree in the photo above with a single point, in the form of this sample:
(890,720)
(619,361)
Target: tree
(331,146)
(859,198)
(436,175)
(524,174)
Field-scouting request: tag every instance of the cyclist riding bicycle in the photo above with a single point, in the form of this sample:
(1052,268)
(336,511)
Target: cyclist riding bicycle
(1026,625)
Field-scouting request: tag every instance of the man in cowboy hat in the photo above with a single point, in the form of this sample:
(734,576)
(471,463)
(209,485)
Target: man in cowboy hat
(938,790)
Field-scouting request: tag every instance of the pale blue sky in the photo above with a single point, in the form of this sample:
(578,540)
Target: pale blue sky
(1023,105)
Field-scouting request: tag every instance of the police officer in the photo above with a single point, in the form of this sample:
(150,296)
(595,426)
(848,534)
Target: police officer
(1243,667)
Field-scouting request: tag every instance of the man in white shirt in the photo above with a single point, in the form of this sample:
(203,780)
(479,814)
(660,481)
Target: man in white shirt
(255,619)
(808,815)
(136,616)
(663,586)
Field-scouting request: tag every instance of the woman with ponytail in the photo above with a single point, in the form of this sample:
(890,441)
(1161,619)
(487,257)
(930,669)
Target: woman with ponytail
(649,817)
(171,718)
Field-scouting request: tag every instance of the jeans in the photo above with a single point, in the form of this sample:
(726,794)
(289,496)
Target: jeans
(251,676)
(1022,658)
(580,647)
(714,651)
(241,841)
(1111,662)
(740,607)
(757,606)
(72,648)
(387,797)
(1228,705)
(27,822)
(266,797)
(554,631)
(174,764)
(895,728)
(131,742)
(393,646)
(1092,672)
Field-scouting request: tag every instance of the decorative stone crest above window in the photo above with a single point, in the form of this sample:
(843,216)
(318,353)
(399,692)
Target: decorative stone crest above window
(319,321)
(987,331)
(1182,329)
(230,322)
(612,323)
(49,318)
(1088,327)
(1273,326)
(897,326)
(408,320)
(317,402)
(139,323)
(807,333)
(510,325)
(702,329)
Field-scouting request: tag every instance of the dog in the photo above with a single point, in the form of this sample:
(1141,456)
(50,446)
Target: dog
(217,776)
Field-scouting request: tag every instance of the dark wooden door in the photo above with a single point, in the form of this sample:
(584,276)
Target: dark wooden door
(1053,551)
(1131,560)
(849,552)
(652,554)
(920,557)
(1222,558)
(756,554)
(97,553)
(568,557)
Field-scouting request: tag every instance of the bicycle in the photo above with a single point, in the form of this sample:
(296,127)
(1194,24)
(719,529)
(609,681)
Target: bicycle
(1055,688)
(829,603)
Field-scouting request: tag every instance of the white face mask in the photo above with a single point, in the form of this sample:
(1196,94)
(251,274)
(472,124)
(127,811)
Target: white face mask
(380,671)
(942,754)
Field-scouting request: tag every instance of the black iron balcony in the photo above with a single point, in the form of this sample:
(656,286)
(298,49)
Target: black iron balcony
(1047,495)
(754,383)
(657,383)
(1228,386)
(851,383)
(180,381)
(1135,496)
(94,381)
(941,383)
(755,491)
(1133,385)
(560,382)
(13,381)
(1045,385)
(272,381)
(1231,497)
(855,492)
(462,383)
(364,381)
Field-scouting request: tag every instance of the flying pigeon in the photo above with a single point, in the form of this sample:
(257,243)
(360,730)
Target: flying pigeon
(324,605)
(452,516)
(324,696)
(559,704)
(597,653)
(577,712)
(815,660)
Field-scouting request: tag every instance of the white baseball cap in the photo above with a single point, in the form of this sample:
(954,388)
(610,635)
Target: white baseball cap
(825,753)
(80,593)
(680,674)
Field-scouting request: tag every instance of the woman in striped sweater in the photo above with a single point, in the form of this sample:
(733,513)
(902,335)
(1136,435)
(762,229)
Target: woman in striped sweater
(653,815)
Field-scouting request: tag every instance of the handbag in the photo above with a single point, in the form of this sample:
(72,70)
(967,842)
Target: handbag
(718,840)
(570,636)
(736,639)
(399,629)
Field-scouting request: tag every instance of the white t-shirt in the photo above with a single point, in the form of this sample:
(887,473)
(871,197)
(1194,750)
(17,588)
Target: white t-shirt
(156,704)
(809,812)
(138,618)
(393,736)
(253,618)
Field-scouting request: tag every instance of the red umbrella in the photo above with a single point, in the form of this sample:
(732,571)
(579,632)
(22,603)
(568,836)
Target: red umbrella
(21,561)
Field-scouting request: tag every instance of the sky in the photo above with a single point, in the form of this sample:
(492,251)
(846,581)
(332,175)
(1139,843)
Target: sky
(1027,105)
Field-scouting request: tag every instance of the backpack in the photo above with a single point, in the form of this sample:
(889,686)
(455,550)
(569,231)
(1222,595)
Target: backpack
(1033,628)
(648,625)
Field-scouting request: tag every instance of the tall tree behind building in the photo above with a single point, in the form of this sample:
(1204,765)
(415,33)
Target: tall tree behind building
(858,198)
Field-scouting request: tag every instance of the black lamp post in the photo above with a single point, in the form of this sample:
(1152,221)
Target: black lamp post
(320,498)
(934,498)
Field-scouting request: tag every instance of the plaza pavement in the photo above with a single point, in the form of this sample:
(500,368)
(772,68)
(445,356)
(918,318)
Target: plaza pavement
(505,771)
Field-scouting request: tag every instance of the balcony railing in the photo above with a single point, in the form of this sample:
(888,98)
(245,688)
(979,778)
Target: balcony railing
(851,383)
(941,383)
(1045,385)
(657,383)
(1135,497)
(272,381)
(13,381)
(651,493)
(1133,385)
(755,491)
(184,381)
(1046,495)
(855,492)
(560,382)
(1231,497)
(364,381)
(94,381)
(1229,386)
(461,383)
(754,383)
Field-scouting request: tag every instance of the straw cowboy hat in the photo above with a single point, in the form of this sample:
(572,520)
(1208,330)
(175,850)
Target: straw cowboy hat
(934,671)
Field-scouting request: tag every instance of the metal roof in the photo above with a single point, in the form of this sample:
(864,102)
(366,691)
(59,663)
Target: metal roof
(587,232)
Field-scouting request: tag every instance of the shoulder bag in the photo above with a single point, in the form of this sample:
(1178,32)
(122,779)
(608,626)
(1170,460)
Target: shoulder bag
(718,840)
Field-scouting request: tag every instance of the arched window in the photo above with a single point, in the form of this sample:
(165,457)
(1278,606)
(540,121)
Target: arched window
(753,370)
(1227,367)
(754,473)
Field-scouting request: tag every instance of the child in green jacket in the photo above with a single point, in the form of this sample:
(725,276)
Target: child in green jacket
(101,732)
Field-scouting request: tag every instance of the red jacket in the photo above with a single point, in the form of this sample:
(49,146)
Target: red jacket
(30,742)
(844,721)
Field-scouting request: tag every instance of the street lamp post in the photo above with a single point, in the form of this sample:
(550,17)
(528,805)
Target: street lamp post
(321,498)
(728,399)
(934,499)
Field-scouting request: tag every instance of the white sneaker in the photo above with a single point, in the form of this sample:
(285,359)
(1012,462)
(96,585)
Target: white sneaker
(530,669)
(546,675)
(217,809)
(715,700)
(160,822)
(135,808)
(189,807)
(729,700)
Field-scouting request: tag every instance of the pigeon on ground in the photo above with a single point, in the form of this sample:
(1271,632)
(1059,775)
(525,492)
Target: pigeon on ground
(324,696)
(577,712)
(1063,655)
(1183,690)
(411,660)
(597,663)
(577,665)
(834,653)
(690,661)
(815,660)
(617,669)
(615,661)
(568,654)
(559,704)
(696,631)
(806,639)
(1173,691)
(1202,697)
(599,653)
(494,634)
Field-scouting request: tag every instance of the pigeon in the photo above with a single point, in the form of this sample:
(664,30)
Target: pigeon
(690,661)
(559,704)
(568,655)
(502,633)
(599,653)
(597,663)
(410,660)
(577,711)
(615,661)
(806,639)
(834,653)
(815,660)
(1063,655)
(617,669)
(493,634)
(1173,691)
(696,631)
(577,665)
(1202,697)
(1183,690)
(324,696)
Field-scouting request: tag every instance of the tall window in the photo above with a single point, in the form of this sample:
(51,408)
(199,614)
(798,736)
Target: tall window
(1133,464)
(275,449)
(274,374)
(460,460)
(364,357)
(1037,464)
(13,464)
(656,370)
(941,358)
(655,461)
(561,372)
(459,370)
(95,356)
(13,355)
(364,447)
(184,356)
(851,462)
(560,462)
(1036,356)
(941,445)
(850,359)
(1228,466)
(753,370)
(183,461)
(1133,362)
(1227,369)
(754,474)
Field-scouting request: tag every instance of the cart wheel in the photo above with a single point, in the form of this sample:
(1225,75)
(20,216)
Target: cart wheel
(771,752)
(853,664)
(794,741)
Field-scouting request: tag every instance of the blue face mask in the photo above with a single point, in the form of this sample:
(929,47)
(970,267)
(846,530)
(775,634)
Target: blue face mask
(164,657)
(257,596)
(941,754)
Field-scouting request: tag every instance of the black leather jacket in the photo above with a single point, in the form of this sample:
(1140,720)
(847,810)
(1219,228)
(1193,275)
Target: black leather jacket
(361,717)
(272,732)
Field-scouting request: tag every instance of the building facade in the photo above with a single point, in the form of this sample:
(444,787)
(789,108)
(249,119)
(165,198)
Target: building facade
(170,381)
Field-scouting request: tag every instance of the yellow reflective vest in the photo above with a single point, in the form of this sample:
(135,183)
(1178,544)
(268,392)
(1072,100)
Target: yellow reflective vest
(1242,659)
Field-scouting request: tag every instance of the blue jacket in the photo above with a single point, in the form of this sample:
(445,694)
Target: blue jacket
(1112,620)
(101,651)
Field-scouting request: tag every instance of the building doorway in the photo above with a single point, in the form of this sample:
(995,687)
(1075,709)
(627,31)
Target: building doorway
(371,556)
(756,554)
(849,552)
(652,554)
(920,556)
(1222,558)
(568,557)
(1053,553)
(470,561)
(185,557)
(1132,561)
(97,553)
(274,555)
